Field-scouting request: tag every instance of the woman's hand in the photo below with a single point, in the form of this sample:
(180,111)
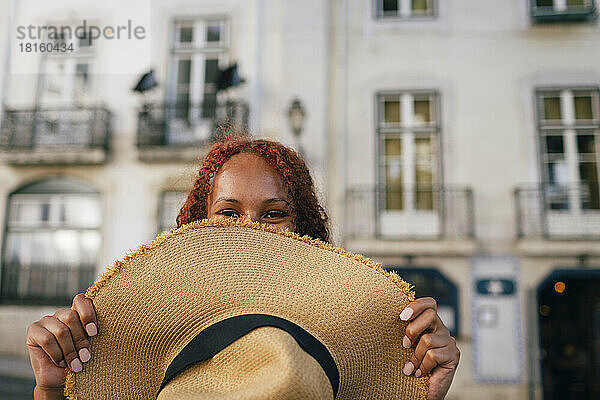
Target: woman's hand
(435,351)
(61,340)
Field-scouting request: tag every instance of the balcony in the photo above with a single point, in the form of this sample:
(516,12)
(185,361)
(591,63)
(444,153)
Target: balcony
(423,220)
(55,136)
(549,11)
(558,212)
(44,284)
(171,132)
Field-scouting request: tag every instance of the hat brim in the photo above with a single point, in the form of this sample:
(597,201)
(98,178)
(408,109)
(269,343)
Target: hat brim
(153,303)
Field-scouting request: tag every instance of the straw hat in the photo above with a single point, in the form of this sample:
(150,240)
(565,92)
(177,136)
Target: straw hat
(226,309)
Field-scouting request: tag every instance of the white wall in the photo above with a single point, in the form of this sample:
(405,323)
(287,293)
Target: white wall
(484,61)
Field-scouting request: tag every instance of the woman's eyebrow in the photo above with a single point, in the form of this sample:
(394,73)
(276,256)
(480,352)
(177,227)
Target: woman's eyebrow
(227,199)
(276,199)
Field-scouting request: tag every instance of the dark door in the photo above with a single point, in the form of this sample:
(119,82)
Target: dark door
(569,313)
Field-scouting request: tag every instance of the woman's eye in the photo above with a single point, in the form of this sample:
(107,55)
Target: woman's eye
(276,214)
(228,213)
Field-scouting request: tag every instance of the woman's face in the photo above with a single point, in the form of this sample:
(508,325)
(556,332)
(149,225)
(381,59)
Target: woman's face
(246,186)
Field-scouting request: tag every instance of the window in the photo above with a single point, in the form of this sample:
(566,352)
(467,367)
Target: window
(562,10)
(84,41)
(65,75)
(199,34)
(65,84)
(169,205)
(75,39)
(408,150)
(568,121)
(408,195)
(198,47)
(52,241)
(404,8)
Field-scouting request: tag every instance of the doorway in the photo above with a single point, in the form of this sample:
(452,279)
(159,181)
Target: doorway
(569,334)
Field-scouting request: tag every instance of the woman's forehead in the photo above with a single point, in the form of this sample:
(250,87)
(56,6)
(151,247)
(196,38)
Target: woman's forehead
(247,172)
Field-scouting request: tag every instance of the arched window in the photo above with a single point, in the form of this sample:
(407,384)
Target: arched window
(52,241)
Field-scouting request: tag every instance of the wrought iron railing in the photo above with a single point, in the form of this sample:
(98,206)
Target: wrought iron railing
(55,129)
(558,211)
(432,212)
(44,284)
(188,125)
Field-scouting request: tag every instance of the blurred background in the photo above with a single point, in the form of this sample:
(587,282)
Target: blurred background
(455,141)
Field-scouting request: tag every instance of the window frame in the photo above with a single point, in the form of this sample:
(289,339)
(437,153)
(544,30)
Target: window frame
(81,55)
(86,190)
(198,52)
(430,129)
(551,14)
(408,14)
(565,127)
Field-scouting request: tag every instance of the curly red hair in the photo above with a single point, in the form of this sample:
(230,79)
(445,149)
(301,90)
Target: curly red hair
(308,216)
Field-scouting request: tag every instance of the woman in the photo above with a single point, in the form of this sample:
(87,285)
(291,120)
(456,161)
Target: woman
(266,182)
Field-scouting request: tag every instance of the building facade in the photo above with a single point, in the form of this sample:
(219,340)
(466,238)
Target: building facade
(468,160)
(455,142)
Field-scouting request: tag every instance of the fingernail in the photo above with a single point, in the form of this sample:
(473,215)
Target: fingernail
(91,329)
(62,364)
(408,368)
(406,314)
(76,365)
(85,355)
(406,342)
(418,373)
